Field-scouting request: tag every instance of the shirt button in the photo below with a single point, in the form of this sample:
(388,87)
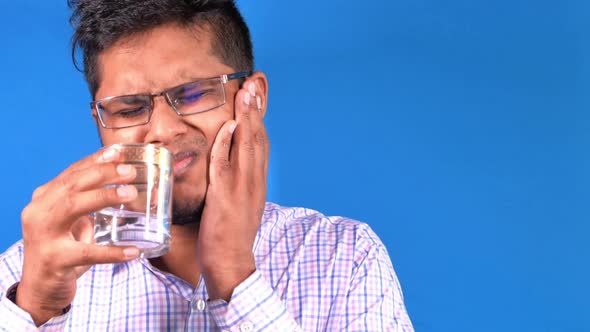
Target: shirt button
(200,305)
(246,327)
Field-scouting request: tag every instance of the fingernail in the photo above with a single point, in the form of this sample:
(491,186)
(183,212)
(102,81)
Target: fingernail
(252,89)
(247,99)
(232,128)
(124,169)
(259,103)
(125,191)
(131,252)
(109,154)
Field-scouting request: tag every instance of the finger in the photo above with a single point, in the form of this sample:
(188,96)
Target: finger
(220,152)
(91,254)
(101,156)
(259,136)
(63,190)
(98,175)
(104,155)
(242,153)
(261,149)
(81,204)
(261,142)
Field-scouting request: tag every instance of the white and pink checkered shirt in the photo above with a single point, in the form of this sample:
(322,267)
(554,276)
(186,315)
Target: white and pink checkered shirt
(314,273)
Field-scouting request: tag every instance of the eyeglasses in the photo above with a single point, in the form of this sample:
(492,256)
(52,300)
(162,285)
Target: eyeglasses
(186,99)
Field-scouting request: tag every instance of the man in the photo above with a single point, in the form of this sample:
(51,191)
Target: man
(236,263)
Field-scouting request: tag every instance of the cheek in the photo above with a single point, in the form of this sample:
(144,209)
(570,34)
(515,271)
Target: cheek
(209,123)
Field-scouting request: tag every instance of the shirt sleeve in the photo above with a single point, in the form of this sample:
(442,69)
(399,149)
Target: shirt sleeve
(375,300)
(253,307)
(12,317)
(15,319)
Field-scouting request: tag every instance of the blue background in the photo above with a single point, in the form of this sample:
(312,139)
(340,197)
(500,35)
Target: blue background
(457,129)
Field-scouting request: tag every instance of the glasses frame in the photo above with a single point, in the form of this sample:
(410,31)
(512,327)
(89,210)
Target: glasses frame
(223,78)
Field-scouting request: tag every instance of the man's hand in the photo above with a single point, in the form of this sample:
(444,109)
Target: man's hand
(58,233)
(235,197)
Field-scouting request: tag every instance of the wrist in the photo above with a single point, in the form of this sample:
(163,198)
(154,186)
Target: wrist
(39,313)
(221,283)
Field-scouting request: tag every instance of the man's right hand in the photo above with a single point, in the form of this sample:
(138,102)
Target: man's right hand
(58,234)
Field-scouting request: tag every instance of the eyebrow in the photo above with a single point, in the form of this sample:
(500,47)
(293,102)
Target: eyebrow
(132,99)
(188,78)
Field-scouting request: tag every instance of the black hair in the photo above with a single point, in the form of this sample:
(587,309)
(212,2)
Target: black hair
(99,24)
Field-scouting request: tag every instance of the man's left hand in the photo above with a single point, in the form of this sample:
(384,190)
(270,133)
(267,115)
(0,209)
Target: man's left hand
(235,198)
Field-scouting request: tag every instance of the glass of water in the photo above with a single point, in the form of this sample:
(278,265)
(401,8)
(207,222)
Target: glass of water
(144,222)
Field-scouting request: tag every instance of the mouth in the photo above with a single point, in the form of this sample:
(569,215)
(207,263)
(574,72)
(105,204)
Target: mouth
(183,161)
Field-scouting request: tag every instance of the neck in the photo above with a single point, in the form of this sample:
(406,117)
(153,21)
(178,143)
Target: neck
(181,259)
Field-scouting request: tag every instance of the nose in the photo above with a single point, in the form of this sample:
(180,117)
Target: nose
(165,125)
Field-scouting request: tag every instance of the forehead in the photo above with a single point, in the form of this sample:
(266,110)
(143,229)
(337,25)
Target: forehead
(155,60)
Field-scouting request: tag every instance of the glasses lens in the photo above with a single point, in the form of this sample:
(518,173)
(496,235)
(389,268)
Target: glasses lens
(197,97)
(125,111)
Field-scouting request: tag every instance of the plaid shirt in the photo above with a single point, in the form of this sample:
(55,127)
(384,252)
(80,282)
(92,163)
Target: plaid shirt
(314,273)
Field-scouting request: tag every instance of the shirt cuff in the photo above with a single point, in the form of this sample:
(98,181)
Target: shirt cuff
(16,319)
(253,307)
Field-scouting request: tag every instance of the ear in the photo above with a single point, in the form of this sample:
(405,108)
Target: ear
(259,78)
(95,117)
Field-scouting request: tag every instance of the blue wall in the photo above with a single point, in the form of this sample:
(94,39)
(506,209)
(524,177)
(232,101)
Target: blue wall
(457,129)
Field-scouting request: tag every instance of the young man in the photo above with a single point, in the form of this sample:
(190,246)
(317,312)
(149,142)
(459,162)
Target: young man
(179,74)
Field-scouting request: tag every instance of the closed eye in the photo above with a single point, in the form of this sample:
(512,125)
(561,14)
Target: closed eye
(132,112)
(189,98)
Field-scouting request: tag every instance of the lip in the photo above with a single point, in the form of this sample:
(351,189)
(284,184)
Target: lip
(183,161)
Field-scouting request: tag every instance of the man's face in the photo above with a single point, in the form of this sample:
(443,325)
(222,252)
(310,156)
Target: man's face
(151,62)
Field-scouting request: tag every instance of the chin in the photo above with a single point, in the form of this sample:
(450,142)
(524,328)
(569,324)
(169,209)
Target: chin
(185,213)
(189,195)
